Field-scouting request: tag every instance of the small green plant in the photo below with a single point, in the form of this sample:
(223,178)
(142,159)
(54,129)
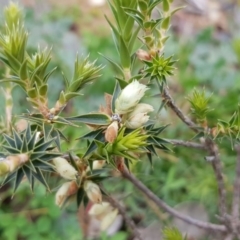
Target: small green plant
(120,133)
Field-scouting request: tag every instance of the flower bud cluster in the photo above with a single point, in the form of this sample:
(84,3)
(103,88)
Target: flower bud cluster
(127,104)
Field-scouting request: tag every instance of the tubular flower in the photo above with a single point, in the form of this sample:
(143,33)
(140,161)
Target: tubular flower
(64,168)
(138,116)
(93,191)
(65,191)
(129,97)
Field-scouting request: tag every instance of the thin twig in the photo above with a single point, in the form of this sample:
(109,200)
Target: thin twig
(236,188)
(217,167)
(236,197)
(160,203)
(170,103)
(186,144)
(131,225)
(210,145)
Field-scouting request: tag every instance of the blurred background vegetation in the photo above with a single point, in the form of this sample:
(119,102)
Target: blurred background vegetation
(205,38)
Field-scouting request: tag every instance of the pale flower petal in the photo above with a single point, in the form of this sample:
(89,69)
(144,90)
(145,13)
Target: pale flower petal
(130,97)
(138,117)
(64,168)
(93,191)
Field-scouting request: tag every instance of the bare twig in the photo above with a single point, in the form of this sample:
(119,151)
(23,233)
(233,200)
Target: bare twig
(210,146)
(187,144)
(217,167)
(131,225)
(236,188)
(160,203)
(170,103)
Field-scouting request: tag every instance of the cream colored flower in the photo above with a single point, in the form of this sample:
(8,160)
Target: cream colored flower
(138,116)
(105,213)
(64,168)
(93,191)
(129,97)
(62,194)
(66,190)
(99,210)
(108,219)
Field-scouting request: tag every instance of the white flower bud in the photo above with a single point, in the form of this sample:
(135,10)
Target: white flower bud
(108,219)
(129,97)
(111,132)
(98,164)
(93,191)
(138,116)
(66,190)
(64,168)
(99,210)
(62,194)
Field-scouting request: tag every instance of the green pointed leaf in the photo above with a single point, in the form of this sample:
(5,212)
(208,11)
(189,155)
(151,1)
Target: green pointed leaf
(24,145)
(72,161)
(149,155)
(28,174)
(14,63)
(165,23)
(56,135)
(91,118)
(80,196)
(43,90)
(9,140)
(122,82)
(91,148)
(114,65)
(50,155)
(133,39)
(11,150)
(17,138)
(9,178)
(23,73)
(166,6)
(71,95)
(91,135)
(39,176)
(31,141)
(42,165)
(124,54)
(18,179)
(28,133)
(43,147)
(116,93)
(47,76)
(47,129)
(153,5)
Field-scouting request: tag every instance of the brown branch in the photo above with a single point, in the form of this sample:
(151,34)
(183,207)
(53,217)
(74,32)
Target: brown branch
(211,147)
(130,224)
(186,144)
(236,188)
(217,168)
(160,203)
(170,103)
